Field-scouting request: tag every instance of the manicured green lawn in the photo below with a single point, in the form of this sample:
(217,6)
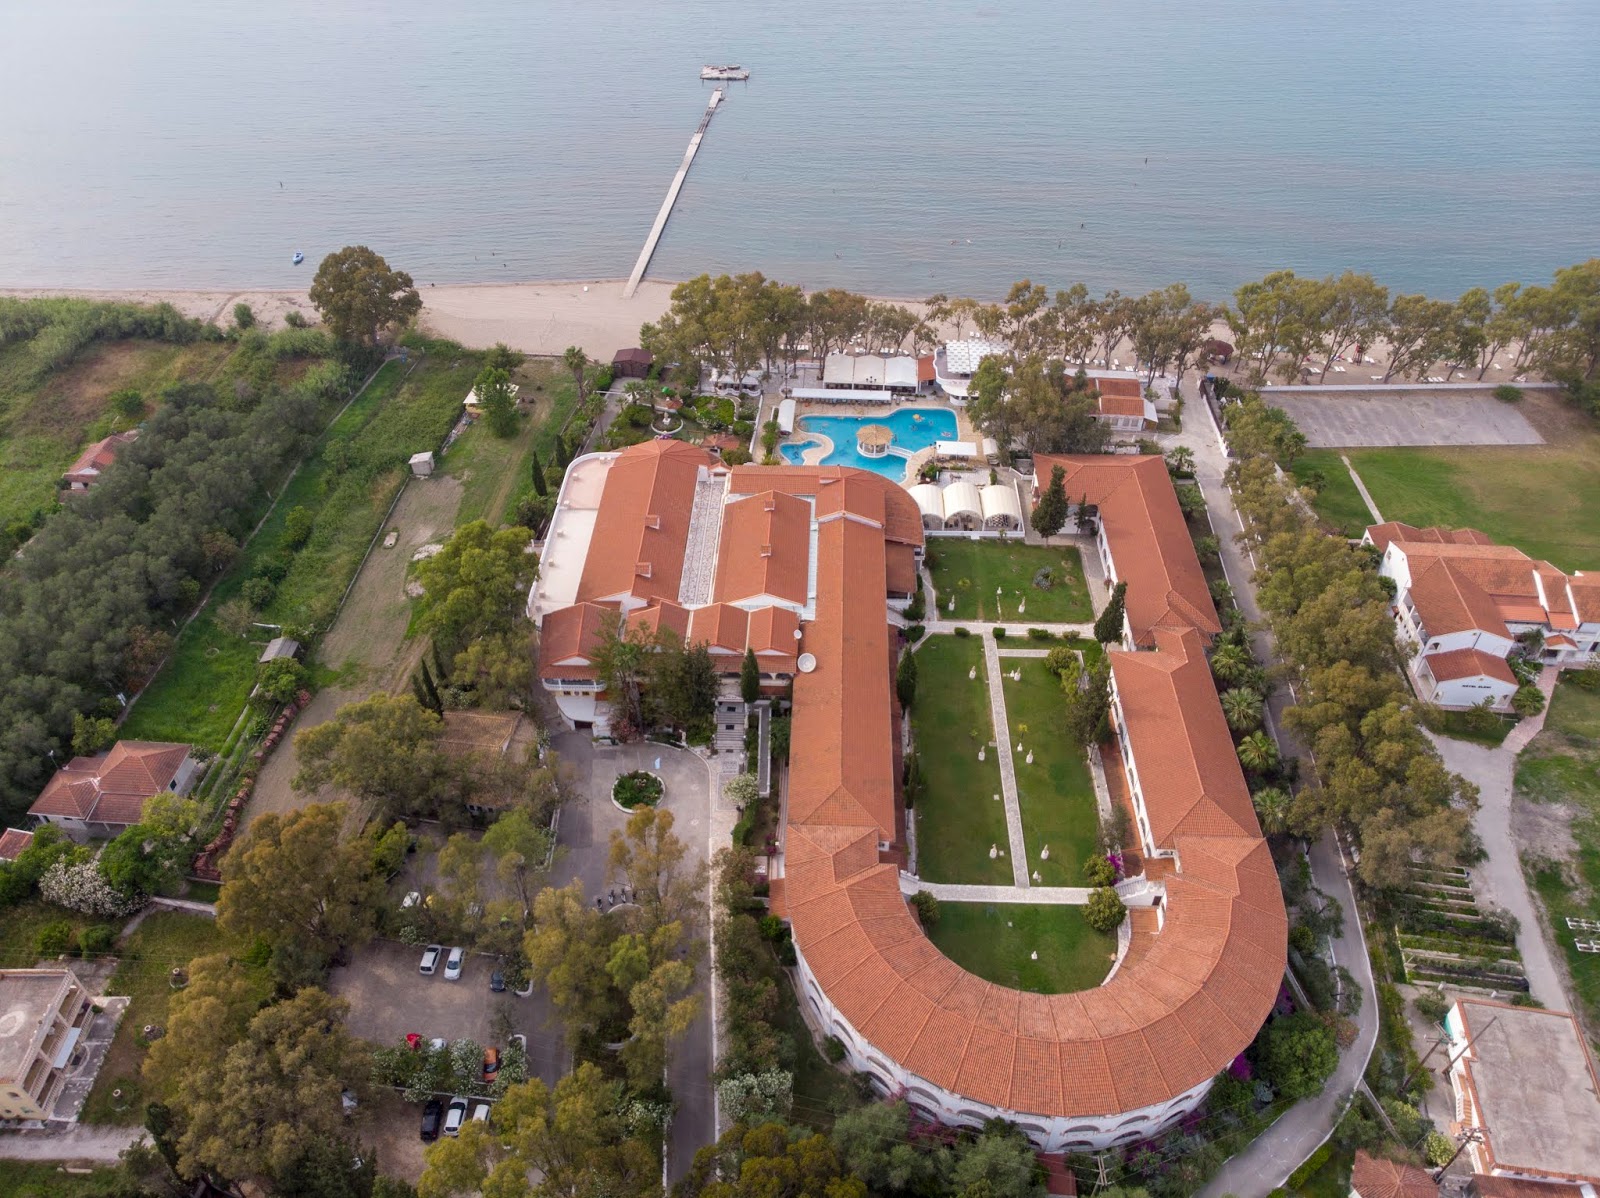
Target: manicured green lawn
(996,942)
(971,570)
(957,818)
(1543,499)
(1056,793)
(1338,502)
(1563,765)
(164,940)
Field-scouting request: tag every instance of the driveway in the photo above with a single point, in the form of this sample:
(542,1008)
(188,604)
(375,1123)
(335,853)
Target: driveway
(1363,418)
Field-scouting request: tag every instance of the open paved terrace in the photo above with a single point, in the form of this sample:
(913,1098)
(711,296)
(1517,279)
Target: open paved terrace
(1384,417)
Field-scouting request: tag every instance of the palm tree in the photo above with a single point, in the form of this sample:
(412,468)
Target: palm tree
(1272,809)
(1231,661)
(1180,460)
(1258,753)
(1242,707)
(576,361)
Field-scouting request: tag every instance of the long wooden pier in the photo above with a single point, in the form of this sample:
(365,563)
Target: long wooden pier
(656,229)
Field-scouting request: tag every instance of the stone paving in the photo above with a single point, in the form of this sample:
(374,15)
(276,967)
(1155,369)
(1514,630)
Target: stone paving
(1008,773)
(953,892)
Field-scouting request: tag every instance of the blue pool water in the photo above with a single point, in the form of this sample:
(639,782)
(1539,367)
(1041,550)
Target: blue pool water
(914,429)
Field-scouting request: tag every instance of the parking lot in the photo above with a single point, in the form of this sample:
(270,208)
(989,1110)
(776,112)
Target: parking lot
(1347,419)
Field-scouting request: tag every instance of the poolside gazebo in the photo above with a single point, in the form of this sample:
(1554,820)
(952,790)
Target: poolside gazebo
(873,440)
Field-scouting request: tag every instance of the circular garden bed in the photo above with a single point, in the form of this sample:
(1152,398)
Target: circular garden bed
(637,788)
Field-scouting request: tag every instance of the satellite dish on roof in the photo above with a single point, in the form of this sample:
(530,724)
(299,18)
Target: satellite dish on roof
(807,662)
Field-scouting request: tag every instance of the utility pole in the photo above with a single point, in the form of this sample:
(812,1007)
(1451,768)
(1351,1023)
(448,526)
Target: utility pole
(1440,1043)
(1472,1135)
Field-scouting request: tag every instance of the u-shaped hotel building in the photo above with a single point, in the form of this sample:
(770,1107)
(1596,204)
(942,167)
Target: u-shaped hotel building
(803,564)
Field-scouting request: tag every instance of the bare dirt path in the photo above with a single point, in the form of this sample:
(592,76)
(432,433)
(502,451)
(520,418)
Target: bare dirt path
(367,642)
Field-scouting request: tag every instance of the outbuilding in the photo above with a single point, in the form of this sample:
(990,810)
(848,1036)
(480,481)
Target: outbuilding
(632,363)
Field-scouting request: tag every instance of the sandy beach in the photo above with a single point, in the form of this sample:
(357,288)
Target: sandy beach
(545,318)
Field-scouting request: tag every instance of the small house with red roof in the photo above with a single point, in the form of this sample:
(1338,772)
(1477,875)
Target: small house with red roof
(13,842)
(93,462)
(105,793)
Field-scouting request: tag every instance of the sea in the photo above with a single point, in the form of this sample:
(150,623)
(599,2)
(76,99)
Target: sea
(896,148)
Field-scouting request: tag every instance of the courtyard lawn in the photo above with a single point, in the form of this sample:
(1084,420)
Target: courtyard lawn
(1562,765)
(1338,502)
(1056,792)
(971,570)
(1543,499)
(996,941)
(957,817)
(162,941)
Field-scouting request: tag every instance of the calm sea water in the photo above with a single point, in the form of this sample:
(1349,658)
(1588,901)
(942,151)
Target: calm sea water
(901,148)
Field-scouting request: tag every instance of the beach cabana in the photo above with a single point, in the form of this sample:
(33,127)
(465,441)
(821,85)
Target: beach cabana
(632,363)
(962,506)
(991,451)
(1218,350)
(786,416)
(1002,510)
(873,440)
(959,450)
(930,502)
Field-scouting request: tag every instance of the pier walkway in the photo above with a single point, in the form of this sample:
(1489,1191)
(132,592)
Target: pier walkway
(656,229)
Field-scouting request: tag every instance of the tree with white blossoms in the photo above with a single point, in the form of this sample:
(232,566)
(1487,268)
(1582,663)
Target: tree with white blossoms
(82,887)
(755,1098)
(742,789)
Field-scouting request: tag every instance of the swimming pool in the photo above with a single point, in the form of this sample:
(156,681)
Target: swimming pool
(913,428)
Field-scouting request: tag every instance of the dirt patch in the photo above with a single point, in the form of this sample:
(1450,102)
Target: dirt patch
(1543,830)
(75,396)
(367,643)
(1554,416)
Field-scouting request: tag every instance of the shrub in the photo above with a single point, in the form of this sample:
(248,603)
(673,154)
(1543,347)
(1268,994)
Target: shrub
(1506,393)
(913,633)
(297,526)
(281,680)
(637,788)
(1528,701)
(258,592)
(1061,660)
(243,316)
(1438,1149)
(916,609)
(999,633)
(128,404)
(99,938)
(1296,1053)
(927,906)
(1041,634)
(833,1049)
(963,631)
(1104,911)
(1097,871)
(1312,1163)
(57,937)
(295,319)
(1302,939)
(772,928)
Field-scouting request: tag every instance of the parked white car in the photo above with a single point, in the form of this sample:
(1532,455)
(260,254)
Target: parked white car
(454,1116)
(453,964)
(430,959)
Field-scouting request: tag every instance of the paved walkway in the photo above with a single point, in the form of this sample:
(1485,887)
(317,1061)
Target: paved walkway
(952,892)
(1366,495)
(985,628)
(1269,1160)
(1008,772)
(92,1145)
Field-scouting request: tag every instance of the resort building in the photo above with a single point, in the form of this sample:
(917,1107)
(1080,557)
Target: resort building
(1465,605)
(955,362)
(1141,538)
(661,534)
(93,462)
(102,794)
(43,1016)
(1122,404)
(1526,1090)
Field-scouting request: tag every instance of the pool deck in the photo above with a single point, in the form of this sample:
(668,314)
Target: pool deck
(816,446)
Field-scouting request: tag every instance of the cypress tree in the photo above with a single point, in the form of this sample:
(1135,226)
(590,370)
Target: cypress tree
(750,677)
(1108,627)
(537,469)
(433,692)
(439,671)
(905,679)
(420,692)
(1051,511)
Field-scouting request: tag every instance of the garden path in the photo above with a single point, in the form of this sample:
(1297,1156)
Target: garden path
(1008,773)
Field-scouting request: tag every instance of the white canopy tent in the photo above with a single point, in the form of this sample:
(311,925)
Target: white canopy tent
(1002,509)
(786,416)
(962,506)
(930,502)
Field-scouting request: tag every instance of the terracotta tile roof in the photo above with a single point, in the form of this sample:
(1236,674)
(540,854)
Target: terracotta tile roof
(1487,1185)
(1119,397)
(111,787)
(94,461)
(1585,590)
(569,635)
(1182,750)
(925,370)
(773,632)
(1394,530)
(1468,663)
(1150,545)
(720,626)
(766,549)
(1464,586)
(643,522)
(902,569)
(13,841)
(1374,1177)
(665,615)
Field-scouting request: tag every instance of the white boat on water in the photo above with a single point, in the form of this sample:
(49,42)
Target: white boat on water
(736,73)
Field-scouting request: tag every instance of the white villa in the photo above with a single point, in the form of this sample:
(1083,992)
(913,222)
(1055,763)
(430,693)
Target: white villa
(1462,602)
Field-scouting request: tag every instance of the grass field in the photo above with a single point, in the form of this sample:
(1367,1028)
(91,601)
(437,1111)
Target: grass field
(46,422)
(1543,499)
(971,570)
(1338,502)
(19,931)
(957,819)
(1055,793)
(164,940)
(1563,765)
(996,942)
(348,480)
(495,473)
(47,1179)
